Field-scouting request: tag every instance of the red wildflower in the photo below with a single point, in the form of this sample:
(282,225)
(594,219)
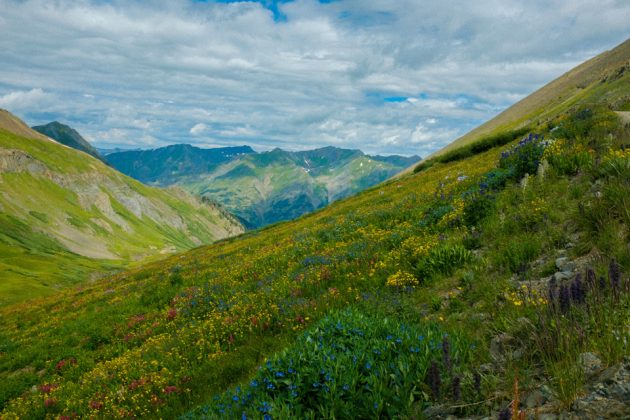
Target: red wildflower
(96,405)
(46,388)
(172,313)
(170,389)
(49,402)
(231,338)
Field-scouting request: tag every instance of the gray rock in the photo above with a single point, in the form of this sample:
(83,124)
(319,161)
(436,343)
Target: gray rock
(499,346)
(535,399)
(562,275)
(590,363)
(564,264)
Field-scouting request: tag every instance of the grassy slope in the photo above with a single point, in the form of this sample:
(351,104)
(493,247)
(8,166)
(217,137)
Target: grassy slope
(550,99)
(165,337)
(41,229)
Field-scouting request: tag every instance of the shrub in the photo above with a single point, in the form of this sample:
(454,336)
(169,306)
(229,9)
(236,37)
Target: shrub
(350,365)
(523,158)
(443,260)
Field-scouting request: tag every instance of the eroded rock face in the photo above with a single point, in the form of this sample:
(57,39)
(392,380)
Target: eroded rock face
(609,395)
(103,193)
(12,161)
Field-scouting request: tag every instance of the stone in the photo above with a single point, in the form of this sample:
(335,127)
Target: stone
(590,363)
(564,264)
(562,275)
(535,399)
(499,346)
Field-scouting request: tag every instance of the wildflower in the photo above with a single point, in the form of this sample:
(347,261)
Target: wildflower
(614,274)
(49,402)
(96,405)
(446,353)
(457,388)
(171,314)
(433,379)
(505,414)
(591,278)
(578,294)
(564,298)
(170,389)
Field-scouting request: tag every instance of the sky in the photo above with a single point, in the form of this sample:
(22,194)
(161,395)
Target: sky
(390,77)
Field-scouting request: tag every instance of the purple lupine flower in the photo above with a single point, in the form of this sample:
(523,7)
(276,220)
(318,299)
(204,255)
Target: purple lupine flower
(446,353)
(564,298)
(433,379)
(614,274)
(505,414)
(591,278)
(578,294)
(457,388)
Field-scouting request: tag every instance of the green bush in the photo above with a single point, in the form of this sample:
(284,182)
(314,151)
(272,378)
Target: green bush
(350,365)
(443,260)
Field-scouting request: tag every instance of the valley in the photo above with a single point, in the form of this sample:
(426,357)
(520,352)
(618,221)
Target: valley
(261,188)
(490,280)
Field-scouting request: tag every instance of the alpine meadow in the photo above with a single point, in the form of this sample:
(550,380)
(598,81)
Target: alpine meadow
(490,279)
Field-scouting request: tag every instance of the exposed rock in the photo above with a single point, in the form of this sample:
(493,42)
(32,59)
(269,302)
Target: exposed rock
(500,347)
(562,275)
(535,399)
(590,363)
(565,265)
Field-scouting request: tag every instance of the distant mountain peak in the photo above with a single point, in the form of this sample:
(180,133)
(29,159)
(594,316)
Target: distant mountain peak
(68,136)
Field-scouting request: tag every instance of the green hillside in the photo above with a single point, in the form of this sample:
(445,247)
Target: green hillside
(66,218)
(68,136)
(461,290)
(261,188)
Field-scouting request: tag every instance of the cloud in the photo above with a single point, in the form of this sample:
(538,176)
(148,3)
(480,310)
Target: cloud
(296,75)
(197,129)
(24,100)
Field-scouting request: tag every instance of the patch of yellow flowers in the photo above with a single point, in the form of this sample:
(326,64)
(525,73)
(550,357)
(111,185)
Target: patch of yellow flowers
(402,279)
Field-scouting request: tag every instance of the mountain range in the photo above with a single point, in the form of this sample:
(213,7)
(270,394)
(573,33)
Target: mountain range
(491,283)
(261,188)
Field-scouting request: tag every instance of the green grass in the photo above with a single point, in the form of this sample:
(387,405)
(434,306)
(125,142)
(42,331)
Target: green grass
(470,239)
(33,227)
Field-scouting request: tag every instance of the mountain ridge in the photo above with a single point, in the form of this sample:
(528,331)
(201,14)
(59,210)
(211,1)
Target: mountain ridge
(261,187)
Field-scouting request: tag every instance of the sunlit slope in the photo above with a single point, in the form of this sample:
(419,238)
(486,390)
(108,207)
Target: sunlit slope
(602,78)
(65,216)
(578,84)
(376,306)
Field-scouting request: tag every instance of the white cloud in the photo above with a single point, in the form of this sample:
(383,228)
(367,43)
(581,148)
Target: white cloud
(25,100)
(182,71)
(197,129)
